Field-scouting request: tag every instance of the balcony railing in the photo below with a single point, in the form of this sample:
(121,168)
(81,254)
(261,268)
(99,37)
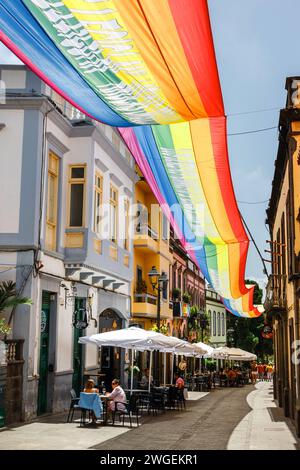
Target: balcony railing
(145,298)
(276,293)
(146,230)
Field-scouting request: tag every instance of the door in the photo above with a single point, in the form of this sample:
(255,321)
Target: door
(77,382)
(44,353)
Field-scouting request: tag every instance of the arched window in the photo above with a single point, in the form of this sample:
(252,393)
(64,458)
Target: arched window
(219,324)
(223,324)
(214,324)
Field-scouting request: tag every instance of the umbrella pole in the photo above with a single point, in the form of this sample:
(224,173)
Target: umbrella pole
(172,368)
(150,371)
(165,368)
(131,384)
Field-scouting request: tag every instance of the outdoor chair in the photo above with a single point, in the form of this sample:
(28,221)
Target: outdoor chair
(201,383)
(216,381)
(128,409)
(90,403)
(157,400)
(73,405)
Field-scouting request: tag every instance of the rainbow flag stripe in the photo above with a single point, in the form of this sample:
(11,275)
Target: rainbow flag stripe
(149,68)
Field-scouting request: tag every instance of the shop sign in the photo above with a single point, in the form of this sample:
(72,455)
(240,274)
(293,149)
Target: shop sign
(267,332)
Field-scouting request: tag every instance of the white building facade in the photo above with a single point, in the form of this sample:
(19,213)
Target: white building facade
(72,259)
(217,318)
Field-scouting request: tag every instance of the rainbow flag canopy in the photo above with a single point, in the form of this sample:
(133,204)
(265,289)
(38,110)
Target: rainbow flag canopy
(148,67)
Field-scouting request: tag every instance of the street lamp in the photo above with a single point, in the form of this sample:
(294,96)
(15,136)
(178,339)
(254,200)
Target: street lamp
(158,282)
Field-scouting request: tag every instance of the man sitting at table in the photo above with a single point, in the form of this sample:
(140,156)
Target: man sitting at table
(117,396)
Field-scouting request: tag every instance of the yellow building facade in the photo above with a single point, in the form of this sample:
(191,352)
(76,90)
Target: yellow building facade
(151,248)
(283,290)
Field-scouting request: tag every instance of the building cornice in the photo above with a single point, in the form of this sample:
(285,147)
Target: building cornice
(117,158)
(53,140)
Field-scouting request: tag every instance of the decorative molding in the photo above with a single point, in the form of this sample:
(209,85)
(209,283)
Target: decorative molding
(101,165)
(115,180)
(128,192)
(64,372)
(53,140)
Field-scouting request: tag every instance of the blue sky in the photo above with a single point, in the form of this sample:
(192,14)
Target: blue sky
(256,44)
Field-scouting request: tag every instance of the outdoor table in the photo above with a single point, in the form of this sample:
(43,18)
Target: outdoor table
(105,399)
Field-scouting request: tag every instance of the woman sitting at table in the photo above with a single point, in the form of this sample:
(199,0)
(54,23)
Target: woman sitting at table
(90,387)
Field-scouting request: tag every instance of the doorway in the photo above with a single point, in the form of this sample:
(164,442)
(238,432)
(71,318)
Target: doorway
(110,358)
(80,312)
(44,354)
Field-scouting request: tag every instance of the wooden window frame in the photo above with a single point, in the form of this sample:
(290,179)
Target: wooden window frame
(115,203)
(52,225)
(97,191)
(76,181)
(127,224)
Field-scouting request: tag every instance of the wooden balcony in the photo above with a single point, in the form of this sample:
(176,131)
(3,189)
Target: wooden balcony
(276,299)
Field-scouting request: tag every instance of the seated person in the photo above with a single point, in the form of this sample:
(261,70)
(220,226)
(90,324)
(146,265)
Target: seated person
(145,379)
(90,387)
(179,382)
(231,376)
(117,395)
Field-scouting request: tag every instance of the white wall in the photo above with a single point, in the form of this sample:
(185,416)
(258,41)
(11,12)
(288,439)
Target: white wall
(11,144)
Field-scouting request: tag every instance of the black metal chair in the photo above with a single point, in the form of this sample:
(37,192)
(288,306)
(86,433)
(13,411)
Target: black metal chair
(157,400)
(73,405)
(128,409)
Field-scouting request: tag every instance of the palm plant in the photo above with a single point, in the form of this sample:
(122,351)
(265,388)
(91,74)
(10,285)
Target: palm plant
(10,298)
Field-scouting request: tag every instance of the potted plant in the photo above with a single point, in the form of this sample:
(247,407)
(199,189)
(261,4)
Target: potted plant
(163,329)
(141,287)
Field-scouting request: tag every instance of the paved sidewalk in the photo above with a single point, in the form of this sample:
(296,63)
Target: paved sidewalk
(53,433)
(264,427)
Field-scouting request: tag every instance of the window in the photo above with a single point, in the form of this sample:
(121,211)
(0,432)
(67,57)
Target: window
(179,279)
(165,227)
(214,324)
(77,184)
(219,324)
(113,202)
(52,196)
(98,190)
(223,323)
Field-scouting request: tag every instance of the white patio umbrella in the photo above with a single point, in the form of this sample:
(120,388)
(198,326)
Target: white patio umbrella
(234,354)
(140,340)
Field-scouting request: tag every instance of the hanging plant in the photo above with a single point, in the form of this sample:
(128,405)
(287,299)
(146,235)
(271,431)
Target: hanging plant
(186,297)
(194,311)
